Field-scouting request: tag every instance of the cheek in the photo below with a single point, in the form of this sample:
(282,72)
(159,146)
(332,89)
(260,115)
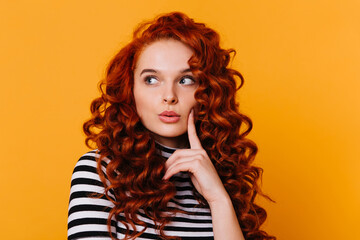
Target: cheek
(193,103)
(140,108)
(139,104)
(144,105)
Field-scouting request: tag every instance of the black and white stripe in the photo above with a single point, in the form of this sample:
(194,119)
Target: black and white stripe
(87,218)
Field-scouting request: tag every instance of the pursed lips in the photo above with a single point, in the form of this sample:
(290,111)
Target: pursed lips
(169,117)
(169,114)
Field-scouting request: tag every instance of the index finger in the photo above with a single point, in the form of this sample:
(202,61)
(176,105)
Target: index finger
(193,138)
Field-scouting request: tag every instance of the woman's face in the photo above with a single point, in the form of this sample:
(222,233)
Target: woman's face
(164,90)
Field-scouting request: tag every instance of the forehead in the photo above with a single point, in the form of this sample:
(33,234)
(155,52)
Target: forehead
(164,54)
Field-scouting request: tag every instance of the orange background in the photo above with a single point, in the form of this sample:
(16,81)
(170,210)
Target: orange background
(301,63)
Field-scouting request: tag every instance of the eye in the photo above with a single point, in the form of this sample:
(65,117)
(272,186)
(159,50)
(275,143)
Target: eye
(187,80)
(151,80)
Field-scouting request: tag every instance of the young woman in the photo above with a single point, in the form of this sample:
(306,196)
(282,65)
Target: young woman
(171,160)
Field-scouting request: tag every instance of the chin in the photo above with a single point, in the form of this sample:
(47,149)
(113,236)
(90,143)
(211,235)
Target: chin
(169,134)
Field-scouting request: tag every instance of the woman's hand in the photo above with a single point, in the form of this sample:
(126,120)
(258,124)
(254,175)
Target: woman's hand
(196,161)
(207,182)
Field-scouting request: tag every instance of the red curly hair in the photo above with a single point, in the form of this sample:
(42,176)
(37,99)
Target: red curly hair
(135,171)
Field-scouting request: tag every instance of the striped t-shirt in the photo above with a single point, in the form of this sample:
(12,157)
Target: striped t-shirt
(87,217)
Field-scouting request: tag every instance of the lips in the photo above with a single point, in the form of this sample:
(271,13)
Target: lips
(169,117)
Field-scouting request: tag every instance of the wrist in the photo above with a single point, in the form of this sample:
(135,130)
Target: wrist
(221,201)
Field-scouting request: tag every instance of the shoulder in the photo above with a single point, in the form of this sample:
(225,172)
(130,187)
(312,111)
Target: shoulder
(88,163)
(88,208)
(85,177)
(91,158)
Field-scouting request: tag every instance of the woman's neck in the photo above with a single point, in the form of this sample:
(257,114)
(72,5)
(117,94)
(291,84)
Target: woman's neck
(173,142)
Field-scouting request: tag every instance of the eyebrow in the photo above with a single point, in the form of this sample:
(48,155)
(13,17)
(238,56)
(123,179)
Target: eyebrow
(154,71)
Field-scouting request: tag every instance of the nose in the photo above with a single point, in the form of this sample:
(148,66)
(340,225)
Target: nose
(170,100)
(170,96)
